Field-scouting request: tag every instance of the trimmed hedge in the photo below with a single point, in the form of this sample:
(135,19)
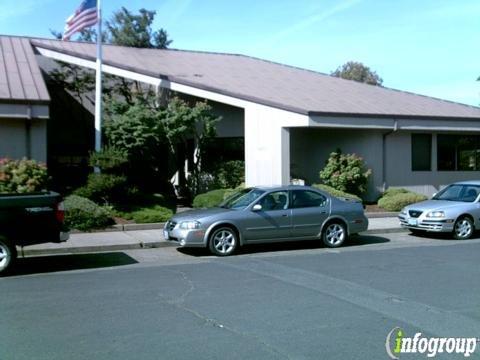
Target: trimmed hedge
(210,199)
(152,214)
(396,199)
(104,188)
(337,193)
(396,191)
(83,214)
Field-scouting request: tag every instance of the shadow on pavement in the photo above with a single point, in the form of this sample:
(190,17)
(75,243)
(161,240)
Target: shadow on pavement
(54,263)
(357,240)
(441,236)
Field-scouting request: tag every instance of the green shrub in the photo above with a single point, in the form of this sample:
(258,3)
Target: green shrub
(230,174)
(398,201)
(335,192)
(230,192)
(83,214)
(152,214)
(395,191)
(22,176)
(346,172)
(109,160)
(209,199)
(105,188)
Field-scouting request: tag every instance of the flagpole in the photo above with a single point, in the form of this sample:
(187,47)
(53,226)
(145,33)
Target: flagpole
(98,85)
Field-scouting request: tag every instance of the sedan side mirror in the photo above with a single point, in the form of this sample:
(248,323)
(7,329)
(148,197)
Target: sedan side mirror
(257,207)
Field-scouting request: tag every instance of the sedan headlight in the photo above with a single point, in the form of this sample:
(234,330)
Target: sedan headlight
(189,225)
(436,214)
(403,212)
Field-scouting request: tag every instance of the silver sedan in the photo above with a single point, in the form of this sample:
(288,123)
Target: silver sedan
(455,209)
(262,215)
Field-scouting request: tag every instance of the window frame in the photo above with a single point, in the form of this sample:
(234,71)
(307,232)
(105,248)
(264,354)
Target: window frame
(291,202)
(452,142)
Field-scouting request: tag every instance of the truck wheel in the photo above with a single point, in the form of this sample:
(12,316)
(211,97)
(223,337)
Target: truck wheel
(8,254)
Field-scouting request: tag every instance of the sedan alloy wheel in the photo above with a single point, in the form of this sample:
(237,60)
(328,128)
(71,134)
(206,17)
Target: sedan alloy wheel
(223,241)
(463,229)
(334,234)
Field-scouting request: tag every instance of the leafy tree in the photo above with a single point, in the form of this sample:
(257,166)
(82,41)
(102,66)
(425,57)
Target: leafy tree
(151,137)
(135,30)
(357,71)
(125,29)
(182,122)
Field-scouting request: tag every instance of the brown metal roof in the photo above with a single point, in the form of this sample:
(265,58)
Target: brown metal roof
(20,78)
(268,83)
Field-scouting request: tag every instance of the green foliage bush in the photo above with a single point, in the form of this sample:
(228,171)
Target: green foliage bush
(394,199)
(335,192)
(345,172)
(230,192)
(83,214)
(152,214)
(230,174)
(22,176)
(110,159)
(395,191)
(105,188)
(210,199)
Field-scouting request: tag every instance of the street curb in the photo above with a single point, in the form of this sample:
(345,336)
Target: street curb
(384,231)
(123,227)
(387,214)
(95,248)
(149,245)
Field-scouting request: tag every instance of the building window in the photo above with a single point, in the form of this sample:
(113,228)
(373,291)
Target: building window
(421,152)
(458,153)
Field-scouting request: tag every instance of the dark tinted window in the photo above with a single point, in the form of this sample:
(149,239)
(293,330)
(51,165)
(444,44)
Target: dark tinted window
(458,152)
(459,192)
(421,152)
(306,198)
(277,200)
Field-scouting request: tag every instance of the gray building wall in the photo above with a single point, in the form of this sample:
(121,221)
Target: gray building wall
(16,144)
(232,122)
(310,148)
(399,167)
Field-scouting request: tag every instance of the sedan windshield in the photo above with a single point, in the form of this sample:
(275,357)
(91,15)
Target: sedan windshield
(459,192)
(242,199)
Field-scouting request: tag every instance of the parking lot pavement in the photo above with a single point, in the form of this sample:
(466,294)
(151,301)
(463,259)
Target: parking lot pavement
(292,301)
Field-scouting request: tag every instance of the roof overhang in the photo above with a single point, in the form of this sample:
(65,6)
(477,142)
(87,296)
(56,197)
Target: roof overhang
(393,123)
(22,110)
(160,80)
(316,118)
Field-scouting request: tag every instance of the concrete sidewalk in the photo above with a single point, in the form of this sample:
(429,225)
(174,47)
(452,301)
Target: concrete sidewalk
(149,238)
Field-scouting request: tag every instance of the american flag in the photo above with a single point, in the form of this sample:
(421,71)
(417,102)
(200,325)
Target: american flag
(84,16)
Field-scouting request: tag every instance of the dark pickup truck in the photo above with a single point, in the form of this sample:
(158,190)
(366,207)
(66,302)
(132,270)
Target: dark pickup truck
(28,219)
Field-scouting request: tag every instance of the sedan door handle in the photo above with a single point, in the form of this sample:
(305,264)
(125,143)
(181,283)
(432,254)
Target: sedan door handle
(284,215)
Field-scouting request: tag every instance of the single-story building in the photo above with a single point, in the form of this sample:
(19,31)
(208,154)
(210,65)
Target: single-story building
(291,119)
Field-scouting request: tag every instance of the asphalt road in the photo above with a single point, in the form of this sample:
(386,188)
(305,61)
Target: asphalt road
(292,301)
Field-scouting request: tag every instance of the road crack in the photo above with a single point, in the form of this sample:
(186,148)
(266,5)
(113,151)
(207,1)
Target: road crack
(179,303)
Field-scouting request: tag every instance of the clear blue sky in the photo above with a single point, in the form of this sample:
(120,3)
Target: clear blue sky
(429,47)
